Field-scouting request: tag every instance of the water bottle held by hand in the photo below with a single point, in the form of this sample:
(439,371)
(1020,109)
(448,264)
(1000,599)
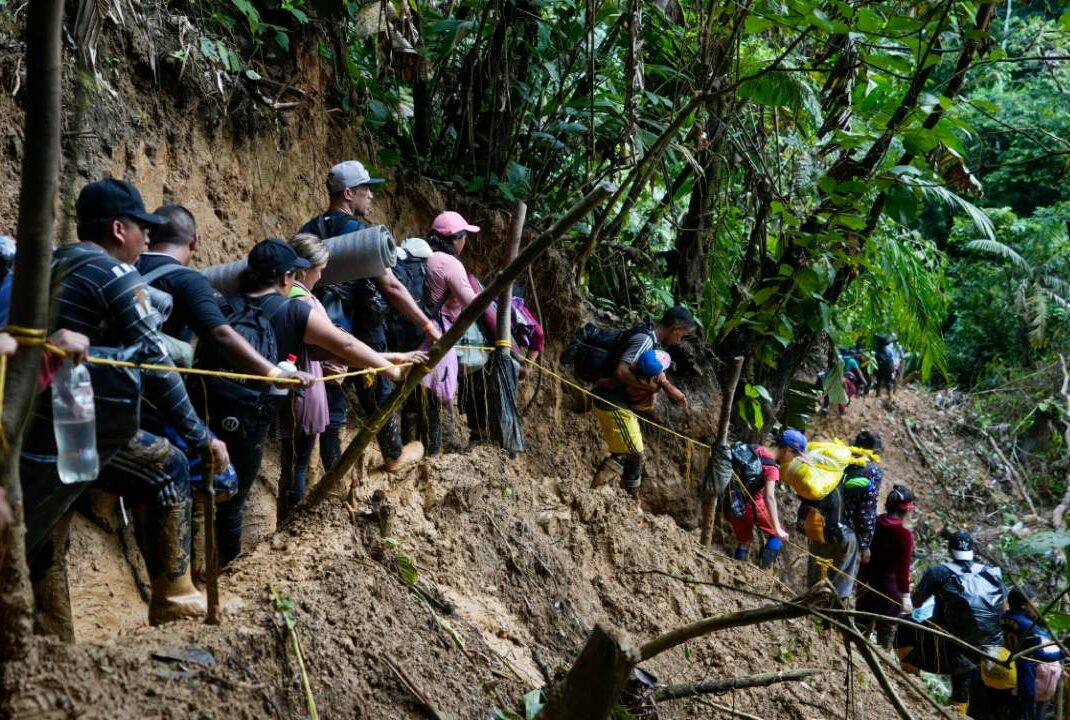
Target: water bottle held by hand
(289,365)
(74,422)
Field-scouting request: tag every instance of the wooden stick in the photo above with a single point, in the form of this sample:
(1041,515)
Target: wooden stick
(730,710)
(336,477)
(728,393)
(406,682)
(211,548)
(705,687)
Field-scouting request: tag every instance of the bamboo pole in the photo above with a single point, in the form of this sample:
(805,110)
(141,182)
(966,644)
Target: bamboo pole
(333,480)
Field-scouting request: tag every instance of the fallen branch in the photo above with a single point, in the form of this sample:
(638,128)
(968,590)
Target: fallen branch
(1012,471)
(705,687)
(709,503)
(744,618)
(406,682)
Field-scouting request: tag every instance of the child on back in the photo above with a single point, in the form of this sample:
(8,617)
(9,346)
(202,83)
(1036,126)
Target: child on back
(651,366)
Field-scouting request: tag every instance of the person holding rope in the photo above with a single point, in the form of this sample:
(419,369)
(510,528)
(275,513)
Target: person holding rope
(286,325)
(1038,671)
(361,307)
(752,494)
(968,603)
(102,296)
(614,405)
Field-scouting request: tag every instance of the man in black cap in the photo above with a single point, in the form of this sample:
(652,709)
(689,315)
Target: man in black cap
(362,309)
(102,296)
(969,599)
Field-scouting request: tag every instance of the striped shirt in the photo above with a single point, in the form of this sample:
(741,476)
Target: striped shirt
(107,300)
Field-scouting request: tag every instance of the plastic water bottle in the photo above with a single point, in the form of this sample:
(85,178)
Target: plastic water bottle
(74,422)
(288,366)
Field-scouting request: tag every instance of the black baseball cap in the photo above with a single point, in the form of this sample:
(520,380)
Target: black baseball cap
(960,545)
(273,258)
(111,199)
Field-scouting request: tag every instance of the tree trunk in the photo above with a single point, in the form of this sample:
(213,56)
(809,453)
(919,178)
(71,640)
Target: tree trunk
(597,678)
(29,297)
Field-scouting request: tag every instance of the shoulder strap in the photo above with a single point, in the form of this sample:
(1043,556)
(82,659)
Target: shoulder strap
(67,266)
(163,271)
(321,226)
(272,304)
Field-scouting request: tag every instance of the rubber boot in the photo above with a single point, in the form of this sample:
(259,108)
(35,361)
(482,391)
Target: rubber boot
(770,551)
(607,472)
(411,454)
(51,591)
(631,479)
(741,553)
(167,546)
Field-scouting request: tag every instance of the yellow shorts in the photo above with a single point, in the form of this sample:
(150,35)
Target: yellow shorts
(620,429)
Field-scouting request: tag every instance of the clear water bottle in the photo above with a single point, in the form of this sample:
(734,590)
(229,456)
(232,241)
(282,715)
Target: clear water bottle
(289,365)
(74,422)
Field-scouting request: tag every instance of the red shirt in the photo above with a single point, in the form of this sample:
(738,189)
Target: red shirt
(892,551)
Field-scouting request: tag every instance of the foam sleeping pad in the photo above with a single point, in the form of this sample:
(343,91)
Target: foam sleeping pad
(354,256)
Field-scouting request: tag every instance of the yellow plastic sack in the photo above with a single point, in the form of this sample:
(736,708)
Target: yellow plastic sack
(996,676)
(816,476)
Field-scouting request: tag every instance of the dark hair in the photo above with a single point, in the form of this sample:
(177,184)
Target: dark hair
(100,229)
(1020,596)
(180,229)
(678,317)
(869,441)
(445,243)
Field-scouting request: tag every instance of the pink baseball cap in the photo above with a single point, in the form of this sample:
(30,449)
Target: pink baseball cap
(451,223)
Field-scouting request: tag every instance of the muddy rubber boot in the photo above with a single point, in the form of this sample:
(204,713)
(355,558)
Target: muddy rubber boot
(607,472)
(51,591)
(167,546)
(411,454)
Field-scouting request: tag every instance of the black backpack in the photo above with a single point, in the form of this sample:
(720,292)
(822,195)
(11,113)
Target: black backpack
(747,465)
(594,352)
(238,406)
(822,520)
(402,335)
(971,603)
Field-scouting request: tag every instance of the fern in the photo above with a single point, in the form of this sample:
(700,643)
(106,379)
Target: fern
(977,216)
(999,250)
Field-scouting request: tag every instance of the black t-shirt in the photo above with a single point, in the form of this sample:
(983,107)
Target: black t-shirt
(196,309)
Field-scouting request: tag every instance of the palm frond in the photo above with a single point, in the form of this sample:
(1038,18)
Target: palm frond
(993,247)
(977,216)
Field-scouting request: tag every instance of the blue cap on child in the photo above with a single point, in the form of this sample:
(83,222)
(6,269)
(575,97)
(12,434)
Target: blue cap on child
(649,364)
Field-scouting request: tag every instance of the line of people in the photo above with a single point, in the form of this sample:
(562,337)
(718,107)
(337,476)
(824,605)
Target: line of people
(127,291)
(868,557)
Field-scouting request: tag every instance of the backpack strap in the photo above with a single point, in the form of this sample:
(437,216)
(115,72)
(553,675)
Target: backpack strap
(321,226)
(163,271)
(271,306)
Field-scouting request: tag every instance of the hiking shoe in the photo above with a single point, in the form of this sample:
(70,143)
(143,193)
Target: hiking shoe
(411,454)
(607,472)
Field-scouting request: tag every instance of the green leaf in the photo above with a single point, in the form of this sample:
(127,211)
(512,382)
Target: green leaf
(1041,543)
(901,203)
(1059,621)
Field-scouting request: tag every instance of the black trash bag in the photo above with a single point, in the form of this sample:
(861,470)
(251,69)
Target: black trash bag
(502,376)
(972,603)
(718,471)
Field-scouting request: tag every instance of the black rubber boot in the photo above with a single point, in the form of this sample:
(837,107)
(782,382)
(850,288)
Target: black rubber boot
(632,478)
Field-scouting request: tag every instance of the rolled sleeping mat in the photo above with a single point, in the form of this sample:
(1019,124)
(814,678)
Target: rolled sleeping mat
(356,255)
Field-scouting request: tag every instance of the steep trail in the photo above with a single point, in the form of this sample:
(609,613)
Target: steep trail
(525,553)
